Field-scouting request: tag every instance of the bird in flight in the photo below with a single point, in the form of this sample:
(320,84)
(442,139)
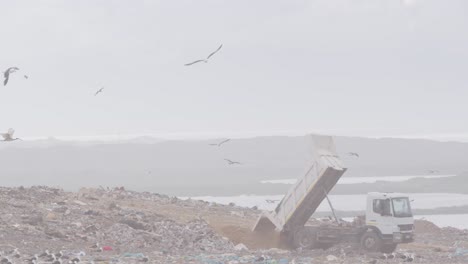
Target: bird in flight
(230,162)
(26,77)
(8,136)
(353,154)
(7,73)
(433,171)
(220,143)
(99,91)
(207,58)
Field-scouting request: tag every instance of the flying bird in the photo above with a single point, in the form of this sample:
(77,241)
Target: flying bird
(26,77)
(7,73)
(197,61)
(220,143)
(207,58)
(230,162)
(353,154)
(99,91)
(433,171)
(8,136)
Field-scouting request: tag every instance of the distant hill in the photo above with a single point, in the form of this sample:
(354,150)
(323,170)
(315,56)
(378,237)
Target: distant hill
(196,168)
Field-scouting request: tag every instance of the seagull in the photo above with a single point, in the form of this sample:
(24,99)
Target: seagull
(353,154)
(197,61)
(220,143)
(7,73)
(207,58)
(8,136)
(99,91)
(230,162)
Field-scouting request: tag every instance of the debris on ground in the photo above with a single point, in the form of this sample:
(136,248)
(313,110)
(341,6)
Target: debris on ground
(121,226)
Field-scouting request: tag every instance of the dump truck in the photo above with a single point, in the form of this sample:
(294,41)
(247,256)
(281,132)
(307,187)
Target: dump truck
(388,219)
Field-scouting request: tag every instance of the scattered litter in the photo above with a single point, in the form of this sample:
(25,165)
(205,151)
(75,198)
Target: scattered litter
(240,247)
(460,252)
(80,202)
(107,248)
(133,255)
(153,228)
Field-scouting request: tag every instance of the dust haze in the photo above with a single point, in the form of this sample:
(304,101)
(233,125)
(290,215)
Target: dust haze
(180,131)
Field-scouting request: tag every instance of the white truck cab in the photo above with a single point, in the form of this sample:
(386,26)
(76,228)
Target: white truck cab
(389,221)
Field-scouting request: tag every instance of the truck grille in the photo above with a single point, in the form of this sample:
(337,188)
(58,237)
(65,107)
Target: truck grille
(406,227)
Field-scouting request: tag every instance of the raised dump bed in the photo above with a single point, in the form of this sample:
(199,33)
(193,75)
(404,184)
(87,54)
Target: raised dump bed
(301,201)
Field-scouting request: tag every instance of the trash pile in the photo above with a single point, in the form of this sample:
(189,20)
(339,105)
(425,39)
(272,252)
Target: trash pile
(113,225)
(66,220)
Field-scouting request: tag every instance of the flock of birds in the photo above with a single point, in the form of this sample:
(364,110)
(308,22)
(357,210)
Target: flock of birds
(219,144)
(8,136)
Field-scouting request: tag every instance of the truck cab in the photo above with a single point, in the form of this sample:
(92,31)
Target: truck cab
(388,221)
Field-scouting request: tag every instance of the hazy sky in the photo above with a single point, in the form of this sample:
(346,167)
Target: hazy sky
(350,67)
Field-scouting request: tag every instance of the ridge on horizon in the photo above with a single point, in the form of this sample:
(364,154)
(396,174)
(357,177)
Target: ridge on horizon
(460,138)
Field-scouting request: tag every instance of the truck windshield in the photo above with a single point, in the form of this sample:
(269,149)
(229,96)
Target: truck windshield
(401,207)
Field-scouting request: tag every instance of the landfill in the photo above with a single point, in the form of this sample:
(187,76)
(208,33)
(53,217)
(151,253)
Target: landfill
(113,225)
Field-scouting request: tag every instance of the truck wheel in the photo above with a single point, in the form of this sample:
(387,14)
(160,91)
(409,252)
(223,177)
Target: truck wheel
(304,238)
(371,241)
(389,248)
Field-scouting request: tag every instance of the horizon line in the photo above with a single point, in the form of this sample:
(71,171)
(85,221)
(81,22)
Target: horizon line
(449,137)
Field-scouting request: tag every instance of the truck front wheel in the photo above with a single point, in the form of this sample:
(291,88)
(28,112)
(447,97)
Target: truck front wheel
(371,242)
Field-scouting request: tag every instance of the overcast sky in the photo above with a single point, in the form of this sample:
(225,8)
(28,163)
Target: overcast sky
(348,67)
